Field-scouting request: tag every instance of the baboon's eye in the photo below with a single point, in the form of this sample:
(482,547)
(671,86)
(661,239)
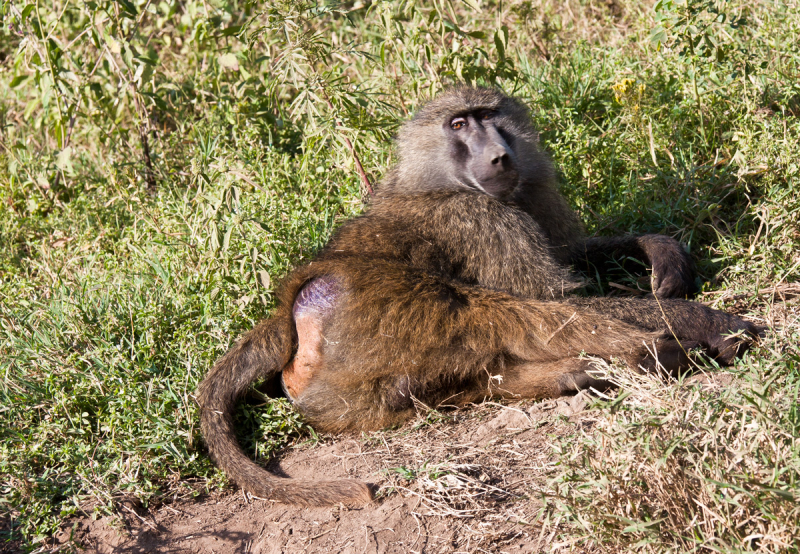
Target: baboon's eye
(487,114)
(458,123)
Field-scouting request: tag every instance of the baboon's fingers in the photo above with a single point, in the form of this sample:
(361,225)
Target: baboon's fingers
(673,278)
(730,337)
(734,344)
(672,285)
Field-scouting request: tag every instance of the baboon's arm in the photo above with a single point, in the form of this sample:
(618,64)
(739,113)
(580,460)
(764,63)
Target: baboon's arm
(673,270)
(262,352)
(685,320)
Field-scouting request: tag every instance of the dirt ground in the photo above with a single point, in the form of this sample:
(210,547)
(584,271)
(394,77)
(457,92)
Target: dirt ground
(469,483)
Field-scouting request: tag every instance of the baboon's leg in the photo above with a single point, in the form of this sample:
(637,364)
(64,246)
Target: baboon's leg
(406,317)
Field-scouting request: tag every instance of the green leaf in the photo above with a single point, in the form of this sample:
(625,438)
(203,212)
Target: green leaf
(26,11)
(159,102)
(150,57)
(231,31)
(58,133)
(500,39)
(450,26)
(226,240)
(128,8)
(18,80)
(64,160)
(658,36)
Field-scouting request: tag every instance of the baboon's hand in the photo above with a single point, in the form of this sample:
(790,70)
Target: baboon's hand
(673,270)
(728,342)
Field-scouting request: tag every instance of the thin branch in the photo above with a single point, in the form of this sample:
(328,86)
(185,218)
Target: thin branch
(366,185)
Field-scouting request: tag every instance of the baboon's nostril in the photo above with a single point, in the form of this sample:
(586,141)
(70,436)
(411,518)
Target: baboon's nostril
(497,159)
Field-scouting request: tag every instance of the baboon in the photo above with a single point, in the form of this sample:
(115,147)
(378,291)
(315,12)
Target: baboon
(455,285)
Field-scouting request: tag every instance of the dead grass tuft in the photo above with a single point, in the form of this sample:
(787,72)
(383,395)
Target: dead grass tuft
(457,490)
(708,465)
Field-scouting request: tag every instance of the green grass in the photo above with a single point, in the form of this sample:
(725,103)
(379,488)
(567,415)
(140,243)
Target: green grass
(123,278)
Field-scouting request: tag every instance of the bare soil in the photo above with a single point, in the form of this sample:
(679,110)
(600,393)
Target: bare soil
(470,482)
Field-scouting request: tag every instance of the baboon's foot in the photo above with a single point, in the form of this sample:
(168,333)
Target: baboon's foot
(673,270)
(572,383)
(537,380)
(668,356)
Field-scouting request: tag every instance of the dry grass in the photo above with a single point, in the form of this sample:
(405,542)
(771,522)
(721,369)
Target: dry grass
(709,464)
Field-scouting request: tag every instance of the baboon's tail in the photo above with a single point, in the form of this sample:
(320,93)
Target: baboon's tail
(263,352)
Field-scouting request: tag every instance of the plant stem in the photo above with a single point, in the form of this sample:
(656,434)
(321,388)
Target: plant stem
(45,39)
(366,185)
(699,103)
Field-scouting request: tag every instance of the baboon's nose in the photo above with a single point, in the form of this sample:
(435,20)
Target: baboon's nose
(495,170)
(503,158)
(497,158)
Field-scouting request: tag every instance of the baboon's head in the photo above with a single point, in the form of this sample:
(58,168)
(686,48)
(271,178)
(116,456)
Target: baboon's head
(469,138)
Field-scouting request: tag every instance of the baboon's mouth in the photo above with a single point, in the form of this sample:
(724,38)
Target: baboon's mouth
(501,187)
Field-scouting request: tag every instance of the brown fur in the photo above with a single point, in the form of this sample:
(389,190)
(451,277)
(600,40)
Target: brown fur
(441,293)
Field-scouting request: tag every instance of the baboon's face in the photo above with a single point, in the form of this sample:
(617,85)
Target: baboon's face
(482,152)
(475,139)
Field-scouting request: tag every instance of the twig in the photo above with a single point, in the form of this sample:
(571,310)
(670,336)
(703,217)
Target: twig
(572,318)
(149,173)
(366,185)
(310,539)
(143,520)
(627,289)
(790,289)
(139,21)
